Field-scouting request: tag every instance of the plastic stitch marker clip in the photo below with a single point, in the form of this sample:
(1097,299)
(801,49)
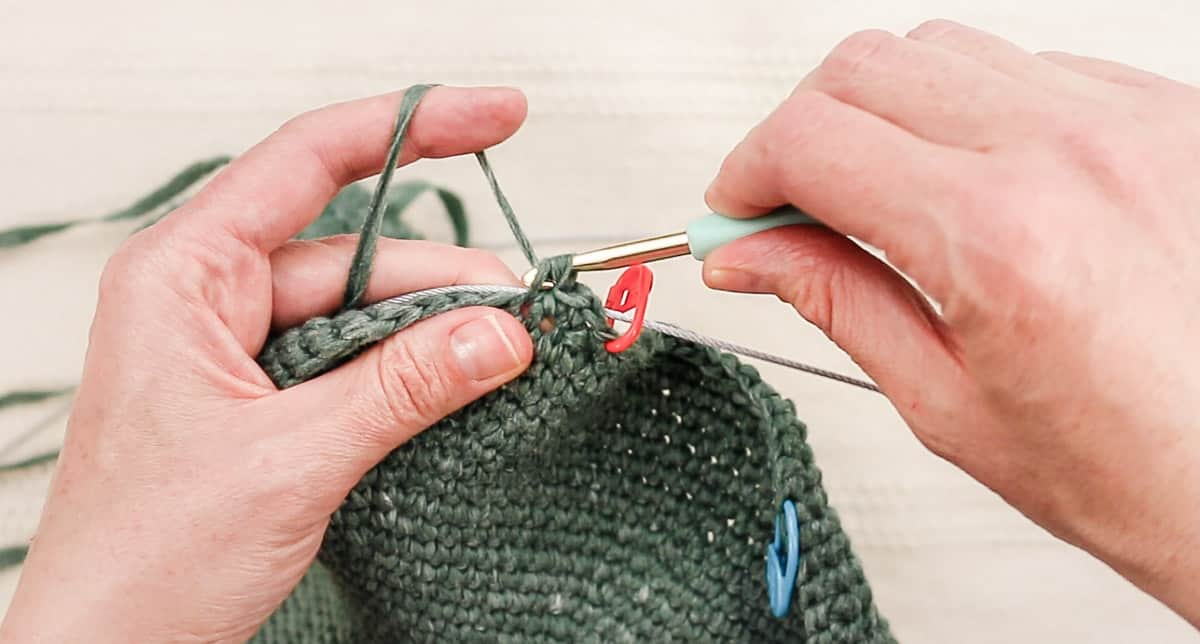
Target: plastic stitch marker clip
(631,292)
(782,567)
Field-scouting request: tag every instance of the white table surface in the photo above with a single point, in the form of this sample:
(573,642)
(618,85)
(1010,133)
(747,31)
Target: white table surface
(632,106)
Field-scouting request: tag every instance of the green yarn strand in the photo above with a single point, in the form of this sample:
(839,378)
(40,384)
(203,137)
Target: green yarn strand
(176,186)
(157,199)
(507,210)
(32,461)
(347,211)
(24,234)
(457,214)
(14,398)
(364,255)
(29,397)
(12,556)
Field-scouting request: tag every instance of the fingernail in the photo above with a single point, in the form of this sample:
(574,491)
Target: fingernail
(483,349)
(733,279)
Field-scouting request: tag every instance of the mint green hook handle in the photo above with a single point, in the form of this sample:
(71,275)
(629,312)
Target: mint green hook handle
(711,231)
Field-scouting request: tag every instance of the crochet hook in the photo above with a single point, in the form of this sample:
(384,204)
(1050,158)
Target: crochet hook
(702,236)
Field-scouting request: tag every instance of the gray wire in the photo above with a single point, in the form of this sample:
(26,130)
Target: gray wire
(731,347)
(662,327)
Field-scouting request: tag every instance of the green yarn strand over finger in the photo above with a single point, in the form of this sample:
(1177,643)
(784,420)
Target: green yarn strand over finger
(364,255)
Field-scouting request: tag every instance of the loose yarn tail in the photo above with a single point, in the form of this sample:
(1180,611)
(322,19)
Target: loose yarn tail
(159,201)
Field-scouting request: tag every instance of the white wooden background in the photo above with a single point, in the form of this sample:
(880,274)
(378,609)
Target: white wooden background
(632,106)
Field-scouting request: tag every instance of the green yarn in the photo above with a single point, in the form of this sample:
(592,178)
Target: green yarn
(14,398)
(506,209)
(12,556)
(364,255)
(596,498)
(158,199)
(577,503)
(26,463)
(26,397)
(346,213)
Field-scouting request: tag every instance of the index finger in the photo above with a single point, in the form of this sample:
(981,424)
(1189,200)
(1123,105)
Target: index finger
(270,193)
(852,170)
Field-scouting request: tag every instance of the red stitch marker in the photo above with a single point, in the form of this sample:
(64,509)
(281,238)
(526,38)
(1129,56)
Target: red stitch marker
(631,291)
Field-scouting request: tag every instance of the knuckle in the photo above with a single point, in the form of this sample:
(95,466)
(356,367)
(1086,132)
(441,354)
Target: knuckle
(114,276)
(303,131)
(1096,148)
(935,29)
(800,124)
(207,264)
(412,386)
(806,110)
(1004,262)
(1080,135)
(852,55)
(421,145)
(121,265)
(126,268)
(298,124)
(807,105)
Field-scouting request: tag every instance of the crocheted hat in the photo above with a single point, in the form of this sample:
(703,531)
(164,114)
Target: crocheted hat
(599,497)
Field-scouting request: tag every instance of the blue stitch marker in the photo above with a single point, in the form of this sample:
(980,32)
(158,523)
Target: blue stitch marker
(781,572)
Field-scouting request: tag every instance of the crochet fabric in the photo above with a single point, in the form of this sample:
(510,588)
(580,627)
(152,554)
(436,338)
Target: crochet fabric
(599,497)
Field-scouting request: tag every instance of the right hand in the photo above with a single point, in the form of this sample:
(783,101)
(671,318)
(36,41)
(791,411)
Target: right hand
(1051,205)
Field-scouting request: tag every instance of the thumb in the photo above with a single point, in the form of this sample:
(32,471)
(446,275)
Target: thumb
(356,414)
(858,301)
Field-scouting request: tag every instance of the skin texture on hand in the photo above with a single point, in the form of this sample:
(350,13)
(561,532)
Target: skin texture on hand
(1050,205)
(191,495)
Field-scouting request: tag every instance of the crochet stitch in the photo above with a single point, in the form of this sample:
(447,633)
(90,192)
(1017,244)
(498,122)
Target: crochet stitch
(596,498)
(599,497)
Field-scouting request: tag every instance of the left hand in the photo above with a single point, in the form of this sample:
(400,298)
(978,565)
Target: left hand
(191,495)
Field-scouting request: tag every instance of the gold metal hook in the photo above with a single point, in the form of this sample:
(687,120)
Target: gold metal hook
(639,251)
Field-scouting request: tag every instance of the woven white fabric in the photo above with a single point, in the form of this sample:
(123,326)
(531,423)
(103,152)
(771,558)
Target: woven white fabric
(632,106)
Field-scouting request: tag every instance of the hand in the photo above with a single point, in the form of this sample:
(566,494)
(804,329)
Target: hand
(191,495)
(1050,205)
